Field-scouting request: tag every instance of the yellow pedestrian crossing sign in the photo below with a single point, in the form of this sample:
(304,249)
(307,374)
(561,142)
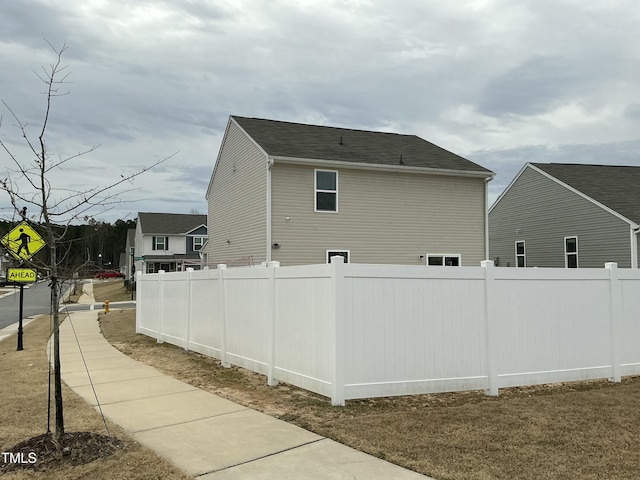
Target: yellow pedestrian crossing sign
(23,242)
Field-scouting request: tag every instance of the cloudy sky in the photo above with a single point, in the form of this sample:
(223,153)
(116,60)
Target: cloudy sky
(500,82)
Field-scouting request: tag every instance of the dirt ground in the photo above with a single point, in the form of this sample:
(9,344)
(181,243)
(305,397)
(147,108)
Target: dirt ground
(586,430)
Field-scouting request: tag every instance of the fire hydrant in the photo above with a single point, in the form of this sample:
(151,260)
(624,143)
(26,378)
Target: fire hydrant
(106,306)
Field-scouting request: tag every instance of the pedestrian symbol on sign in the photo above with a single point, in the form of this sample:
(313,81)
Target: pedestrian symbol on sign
(23,241)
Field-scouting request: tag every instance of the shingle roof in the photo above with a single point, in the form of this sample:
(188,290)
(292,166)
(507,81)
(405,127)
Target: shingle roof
(296,140)
(169,223)
(617,187)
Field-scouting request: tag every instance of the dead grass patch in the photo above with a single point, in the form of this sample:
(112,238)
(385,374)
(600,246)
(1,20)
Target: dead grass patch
(587,430)
(23,416)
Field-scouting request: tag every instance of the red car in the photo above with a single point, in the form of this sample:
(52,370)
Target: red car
(109,274)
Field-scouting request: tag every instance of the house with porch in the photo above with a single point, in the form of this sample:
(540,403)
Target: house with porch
(168,241)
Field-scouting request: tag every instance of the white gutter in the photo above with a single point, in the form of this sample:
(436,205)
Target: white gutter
(382,167)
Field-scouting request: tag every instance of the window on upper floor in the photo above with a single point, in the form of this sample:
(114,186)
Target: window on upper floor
(521,259)
(326,191)
(198,242)
(160,243)
(571,252)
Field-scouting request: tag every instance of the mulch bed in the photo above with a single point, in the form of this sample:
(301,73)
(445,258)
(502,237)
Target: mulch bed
(43,453)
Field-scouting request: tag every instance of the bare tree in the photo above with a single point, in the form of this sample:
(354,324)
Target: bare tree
(36,199)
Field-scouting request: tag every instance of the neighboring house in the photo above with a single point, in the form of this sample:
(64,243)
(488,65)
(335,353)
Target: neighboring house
(127,258)
(168,241)
(300,194)
(567,215)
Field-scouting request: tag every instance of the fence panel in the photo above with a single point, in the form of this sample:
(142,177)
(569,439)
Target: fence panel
(552,325)
(629,331)
(407,330)
(247,327)
(206,314)
(356,331)
(304,340)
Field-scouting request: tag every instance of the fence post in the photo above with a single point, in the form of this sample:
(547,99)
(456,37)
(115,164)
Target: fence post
(223,324)
(273,322)
(337,277)
(139,302)
(489,296)
(615,312)
(189,307)
(160,305)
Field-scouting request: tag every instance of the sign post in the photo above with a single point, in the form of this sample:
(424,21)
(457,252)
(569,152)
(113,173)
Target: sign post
(23,242)
(21,276)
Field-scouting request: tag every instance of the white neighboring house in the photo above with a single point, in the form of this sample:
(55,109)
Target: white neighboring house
(168,241)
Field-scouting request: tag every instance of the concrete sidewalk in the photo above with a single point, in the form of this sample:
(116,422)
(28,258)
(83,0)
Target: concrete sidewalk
(200,433)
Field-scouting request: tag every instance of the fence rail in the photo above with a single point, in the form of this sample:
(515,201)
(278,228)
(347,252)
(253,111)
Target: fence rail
(350,331)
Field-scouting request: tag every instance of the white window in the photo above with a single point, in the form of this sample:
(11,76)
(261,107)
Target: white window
(343,253)
(326,191)
(571,252)
(160,243)
(198,242)
(446,260)
(521,258)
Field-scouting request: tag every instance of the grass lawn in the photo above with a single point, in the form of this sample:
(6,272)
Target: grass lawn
(585,430)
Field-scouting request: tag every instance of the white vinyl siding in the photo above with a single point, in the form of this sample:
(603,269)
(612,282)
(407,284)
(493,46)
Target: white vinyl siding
(384,217)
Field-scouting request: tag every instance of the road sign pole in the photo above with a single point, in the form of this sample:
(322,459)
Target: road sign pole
(20,319)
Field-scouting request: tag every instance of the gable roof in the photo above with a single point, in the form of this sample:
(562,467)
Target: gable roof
(301,141)
(169,223)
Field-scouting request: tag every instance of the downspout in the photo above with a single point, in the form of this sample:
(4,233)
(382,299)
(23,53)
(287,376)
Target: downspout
(486,216)
(268,246)
(635,231)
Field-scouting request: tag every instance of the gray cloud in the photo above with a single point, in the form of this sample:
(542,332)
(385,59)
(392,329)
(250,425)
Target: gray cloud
(483,79)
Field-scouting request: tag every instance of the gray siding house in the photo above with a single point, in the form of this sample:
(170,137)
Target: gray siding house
(567,215)
(168,241)
(300,194)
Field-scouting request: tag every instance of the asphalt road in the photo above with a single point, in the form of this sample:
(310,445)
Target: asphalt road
(37,300)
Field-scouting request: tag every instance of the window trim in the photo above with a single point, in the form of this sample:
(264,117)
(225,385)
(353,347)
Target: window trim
(523,255)
(316,190)
(444,257)
(193,243)
(337,251)
(165,242)
(566,254)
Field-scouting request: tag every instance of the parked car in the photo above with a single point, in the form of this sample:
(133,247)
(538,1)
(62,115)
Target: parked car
(110,274)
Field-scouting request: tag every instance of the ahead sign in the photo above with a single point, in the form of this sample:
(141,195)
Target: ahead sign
(21,275)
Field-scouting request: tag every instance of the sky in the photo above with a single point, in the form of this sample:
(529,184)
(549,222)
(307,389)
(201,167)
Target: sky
(499,82)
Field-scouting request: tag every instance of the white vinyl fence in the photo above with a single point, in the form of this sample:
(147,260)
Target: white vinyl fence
(350,331)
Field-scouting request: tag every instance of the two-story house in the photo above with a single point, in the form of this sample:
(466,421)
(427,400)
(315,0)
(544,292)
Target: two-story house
(300,194)
(168,241)
(568,215)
